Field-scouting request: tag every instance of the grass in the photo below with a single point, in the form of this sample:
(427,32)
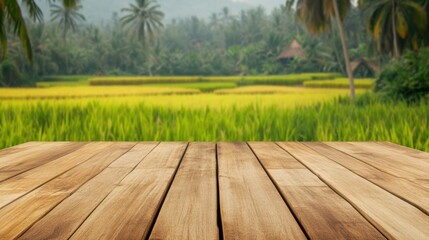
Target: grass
(293,79)
(340,83)
(87,91)
(175,97)
(202,86)
(295,91)
(64,81)
(111,120)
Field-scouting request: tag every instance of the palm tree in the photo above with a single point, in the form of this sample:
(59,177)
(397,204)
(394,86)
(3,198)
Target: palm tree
(143,18)
(317,15)
(393,22)
(11,15)
(68,18)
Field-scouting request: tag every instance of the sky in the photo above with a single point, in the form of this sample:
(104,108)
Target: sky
(102,10)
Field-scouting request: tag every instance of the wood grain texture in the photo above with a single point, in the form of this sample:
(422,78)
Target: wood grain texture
(190,208)
(18,216)
(403,188)
(17,163)
(64,219)
(250,205)
(322,212)
(129,211)
(388,161)
(21,184)
(405,151)
(19,148)
(394,217)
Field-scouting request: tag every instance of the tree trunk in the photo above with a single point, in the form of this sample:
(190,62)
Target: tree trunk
(66,50)
(346,53)
(394,34)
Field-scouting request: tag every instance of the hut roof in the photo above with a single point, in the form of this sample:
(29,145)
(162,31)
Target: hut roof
(370,65)
(294,50)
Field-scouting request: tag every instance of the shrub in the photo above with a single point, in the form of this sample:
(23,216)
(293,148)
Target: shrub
(406,79)
(11,76)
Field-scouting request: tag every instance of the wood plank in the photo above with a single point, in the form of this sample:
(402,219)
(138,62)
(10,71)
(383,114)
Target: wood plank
(64,219)
(405,151)
(30,150)
(403,188)
(190,208)
(129,210)
(394,217)
(19,148)
(250,205)
(18,216)
(34,157)
(322,212)
(387,161)
(19,185)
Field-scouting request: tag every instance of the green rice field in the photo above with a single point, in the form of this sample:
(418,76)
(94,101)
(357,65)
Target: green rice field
(205,111)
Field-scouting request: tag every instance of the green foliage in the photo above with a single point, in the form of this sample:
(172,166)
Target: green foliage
(65,78)
(10,75)
(203,87)
(100,121)
(406,79)
(340,83)
(292,79)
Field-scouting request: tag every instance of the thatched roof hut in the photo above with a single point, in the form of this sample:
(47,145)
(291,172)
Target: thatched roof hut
(362,65)
(294,50)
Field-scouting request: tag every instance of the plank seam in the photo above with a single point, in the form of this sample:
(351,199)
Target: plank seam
(38,186)
(338,192)
(218,210)
(399,151)
(366,163)
(387,190)
(161,203)
(56,158)
(54,206)
(107,195)
(280,193)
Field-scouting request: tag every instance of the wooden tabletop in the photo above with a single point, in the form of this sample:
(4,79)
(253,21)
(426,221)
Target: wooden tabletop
(180,190)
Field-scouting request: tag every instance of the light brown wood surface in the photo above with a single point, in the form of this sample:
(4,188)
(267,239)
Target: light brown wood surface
(24,212)
(322,212)
(394,217)
(250,205)
(387,161)
(76,208)
(129,210)
(403,188)
(19,185)
(190,208)
(180,190)
(22,161)
(20,148)
(406,152)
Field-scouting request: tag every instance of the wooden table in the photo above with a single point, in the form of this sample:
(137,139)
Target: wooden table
(179,190)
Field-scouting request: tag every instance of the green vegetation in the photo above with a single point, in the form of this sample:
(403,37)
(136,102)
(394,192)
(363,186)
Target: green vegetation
(406,79)
(87,91)
(65,78)
(219,79)
(202,86)
(340,83)
(291,79)
(342,120)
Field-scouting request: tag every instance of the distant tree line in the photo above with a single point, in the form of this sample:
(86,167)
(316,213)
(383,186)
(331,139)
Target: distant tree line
(136,42)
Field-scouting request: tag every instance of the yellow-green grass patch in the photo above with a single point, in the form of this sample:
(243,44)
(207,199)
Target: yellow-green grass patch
(87,91)
(340,83)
